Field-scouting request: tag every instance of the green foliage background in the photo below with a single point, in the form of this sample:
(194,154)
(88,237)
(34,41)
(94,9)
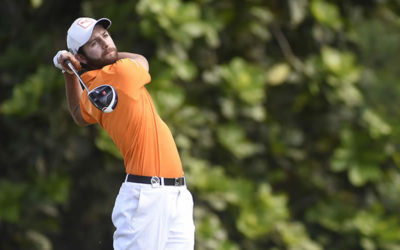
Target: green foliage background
(285,114)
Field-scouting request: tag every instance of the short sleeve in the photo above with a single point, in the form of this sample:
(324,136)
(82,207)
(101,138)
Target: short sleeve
(135,72)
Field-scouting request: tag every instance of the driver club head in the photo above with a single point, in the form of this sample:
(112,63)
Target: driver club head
(104,97)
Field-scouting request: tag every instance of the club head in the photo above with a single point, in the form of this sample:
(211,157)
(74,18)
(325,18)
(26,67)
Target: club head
(104,97)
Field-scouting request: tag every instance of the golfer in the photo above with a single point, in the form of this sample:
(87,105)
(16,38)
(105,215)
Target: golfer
(154,209)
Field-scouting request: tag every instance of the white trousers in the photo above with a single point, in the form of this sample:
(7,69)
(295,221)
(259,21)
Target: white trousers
(153,218)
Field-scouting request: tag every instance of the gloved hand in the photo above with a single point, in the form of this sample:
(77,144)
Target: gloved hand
(56,59)
(59,61)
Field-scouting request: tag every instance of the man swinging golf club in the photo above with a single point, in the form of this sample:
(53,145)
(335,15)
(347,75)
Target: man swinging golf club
(154,209)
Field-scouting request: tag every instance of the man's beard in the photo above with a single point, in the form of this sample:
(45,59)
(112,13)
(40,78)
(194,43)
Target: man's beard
(103,61)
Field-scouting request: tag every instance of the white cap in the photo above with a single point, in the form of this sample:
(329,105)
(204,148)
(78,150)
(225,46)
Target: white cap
(81,30)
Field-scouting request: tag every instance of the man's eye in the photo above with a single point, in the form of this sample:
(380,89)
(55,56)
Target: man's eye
(105,35)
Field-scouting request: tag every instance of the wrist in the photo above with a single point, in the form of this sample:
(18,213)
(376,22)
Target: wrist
(68,73)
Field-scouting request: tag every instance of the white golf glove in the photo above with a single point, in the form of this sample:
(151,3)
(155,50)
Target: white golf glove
(56,61)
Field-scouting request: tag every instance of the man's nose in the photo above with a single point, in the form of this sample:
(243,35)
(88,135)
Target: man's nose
(104,43)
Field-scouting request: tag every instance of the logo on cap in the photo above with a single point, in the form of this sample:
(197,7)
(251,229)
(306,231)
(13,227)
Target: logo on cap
(85,22)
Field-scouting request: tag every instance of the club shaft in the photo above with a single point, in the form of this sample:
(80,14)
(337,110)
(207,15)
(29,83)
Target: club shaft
(68,62)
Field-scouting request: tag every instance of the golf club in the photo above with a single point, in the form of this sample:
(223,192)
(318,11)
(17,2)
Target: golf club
(103,97)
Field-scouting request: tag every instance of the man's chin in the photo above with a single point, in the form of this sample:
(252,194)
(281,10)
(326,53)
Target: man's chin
(112,53)
(111,57)
(107,59)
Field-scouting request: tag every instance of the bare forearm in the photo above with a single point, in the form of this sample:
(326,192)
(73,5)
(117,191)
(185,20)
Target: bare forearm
(139,58)
(73,92)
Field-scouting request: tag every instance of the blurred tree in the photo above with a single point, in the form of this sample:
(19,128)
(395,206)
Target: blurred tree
(284,112)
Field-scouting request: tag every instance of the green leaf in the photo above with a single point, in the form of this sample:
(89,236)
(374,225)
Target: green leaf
(233,138)
(26,98)
(361,160)
(350,95)
(333,214)
(376,125)
(257,113)
(340,159)
(259,217)
(210,231)
(278,73)
(295,236)
(298,11)
(38,240)
(264,15)
(194,29)
(245,80)
(36,3)
(366,222)
(340,63)
(11,194)
(326,13)
(359,175)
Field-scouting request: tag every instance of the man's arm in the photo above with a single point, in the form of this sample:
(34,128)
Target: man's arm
(139,58)
(74,91)
(72,86)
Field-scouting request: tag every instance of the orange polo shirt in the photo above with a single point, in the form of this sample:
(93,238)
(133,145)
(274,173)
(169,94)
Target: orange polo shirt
(137,130)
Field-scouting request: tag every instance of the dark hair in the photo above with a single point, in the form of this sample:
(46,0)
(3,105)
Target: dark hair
(84,66)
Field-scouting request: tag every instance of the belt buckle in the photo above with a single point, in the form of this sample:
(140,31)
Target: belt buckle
(178,182)
(155,181)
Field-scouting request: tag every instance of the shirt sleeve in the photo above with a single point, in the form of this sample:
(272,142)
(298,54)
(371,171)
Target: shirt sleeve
(87,109)
(127,76)
(138,73)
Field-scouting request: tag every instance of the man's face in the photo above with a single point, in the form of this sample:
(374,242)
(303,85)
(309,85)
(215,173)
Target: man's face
(100,50)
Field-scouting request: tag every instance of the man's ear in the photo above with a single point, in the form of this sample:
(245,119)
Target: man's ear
(81,58)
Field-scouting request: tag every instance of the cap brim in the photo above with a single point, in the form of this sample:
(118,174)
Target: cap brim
(105,22)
